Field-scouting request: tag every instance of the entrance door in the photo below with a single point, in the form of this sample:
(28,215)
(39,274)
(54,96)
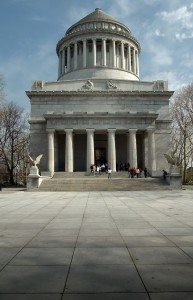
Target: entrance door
(100,156)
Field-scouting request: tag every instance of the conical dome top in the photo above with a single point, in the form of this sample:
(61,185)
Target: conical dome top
(96,16)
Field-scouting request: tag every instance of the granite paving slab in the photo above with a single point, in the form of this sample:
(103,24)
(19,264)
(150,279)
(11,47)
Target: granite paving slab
(167,278)
(43,257)
(90,256)
(103,278)
(32,279)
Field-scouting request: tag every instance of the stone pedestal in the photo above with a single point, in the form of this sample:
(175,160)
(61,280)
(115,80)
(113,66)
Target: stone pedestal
(33,179)
(176,181)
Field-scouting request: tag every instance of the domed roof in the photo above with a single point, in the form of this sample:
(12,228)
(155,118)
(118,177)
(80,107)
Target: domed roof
(96,16)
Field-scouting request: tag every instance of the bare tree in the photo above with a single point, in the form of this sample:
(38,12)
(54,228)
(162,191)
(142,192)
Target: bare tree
(2,95)
(182,127)
(13,139)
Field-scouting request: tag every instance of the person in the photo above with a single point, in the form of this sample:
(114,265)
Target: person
(102,168)
(128,166)
(97,169)
(137,172)
(94,169)
(164,174)
(91,169)
(132,172)
(145,172)
(109,173)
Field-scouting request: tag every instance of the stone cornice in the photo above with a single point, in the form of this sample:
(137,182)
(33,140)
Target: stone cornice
(101,93)
(67,38)
(100,115)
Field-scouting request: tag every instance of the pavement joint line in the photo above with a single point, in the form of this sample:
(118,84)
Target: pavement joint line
(128,250)
(66,280)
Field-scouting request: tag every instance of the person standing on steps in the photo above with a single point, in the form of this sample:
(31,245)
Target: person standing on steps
(109,172)
(145,172)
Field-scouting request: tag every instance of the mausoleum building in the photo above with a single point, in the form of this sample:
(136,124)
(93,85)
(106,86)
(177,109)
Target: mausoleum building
(98,110)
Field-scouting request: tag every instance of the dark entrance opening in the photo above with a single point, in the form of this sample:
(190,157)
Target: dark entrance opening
(100,156)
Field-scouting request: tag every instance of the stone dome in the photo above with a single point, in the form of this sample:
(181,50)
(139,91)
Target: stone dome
(98,46)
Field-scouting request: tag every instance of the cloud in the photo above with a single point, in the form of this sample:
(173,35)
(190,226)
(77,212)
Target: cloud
(182,15)
(183,36)
(157,32)
(175,80)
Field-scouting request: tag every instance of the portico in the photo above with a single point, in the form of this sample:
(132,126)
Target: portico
(95,140)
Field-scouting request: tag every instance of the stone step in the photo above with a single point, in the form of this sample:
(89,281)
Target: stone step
(102,184)
(119,174)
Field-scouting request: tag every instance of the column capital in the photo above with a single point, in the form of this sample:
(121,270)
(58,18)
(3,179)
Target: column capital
(132,130)
(103,39)
(150,130)
(68,130)
(111,130)
(90,130)
(50,130)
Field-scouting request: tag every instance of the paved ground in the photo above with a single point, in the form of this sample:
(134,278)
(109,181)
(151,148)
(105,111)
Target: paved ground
(103,245)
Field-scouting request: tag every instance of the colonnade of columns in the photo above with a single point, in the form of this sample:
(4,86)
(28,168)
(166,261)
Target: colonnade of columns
(131,149)
(83,54)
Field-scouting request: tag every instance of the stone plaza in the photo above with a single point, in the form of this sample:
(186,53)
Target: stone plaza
(96,245)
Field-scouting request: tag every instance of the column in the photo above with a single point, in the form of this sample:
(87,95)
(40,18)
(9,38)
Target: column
(122,56)
(132,152)
(129,58)
(75,55)
(69,151)
(134,62)
(151,151)
(94,51)
(63,61)
(59,64)
(84,53)
(90,148)
(137,63)
(128,148)
(111,149)
(51,151)
(68,58)
(114,54)
(104,56)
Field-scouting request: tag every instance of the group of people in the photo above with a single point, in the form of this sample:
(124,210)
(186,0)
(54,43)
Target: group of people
(104,168)
(98,169)
(137,172)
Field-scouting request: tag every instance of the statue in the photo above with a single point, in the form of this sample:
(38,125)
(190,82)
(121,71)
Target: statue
(34,169)
(34,179)
(174,163)
(111,85)
(88,85)
(36,161)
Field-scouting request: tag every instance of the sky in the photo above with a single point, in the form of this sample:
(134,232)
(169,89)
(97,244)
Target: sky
(30,30)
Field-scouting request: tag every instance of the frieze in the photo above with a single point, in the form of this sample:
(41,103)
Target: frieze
(101,123)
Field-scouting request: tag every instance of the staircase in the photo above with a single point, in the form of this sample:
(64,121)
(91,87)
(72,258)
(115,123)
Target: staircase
(80,181)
